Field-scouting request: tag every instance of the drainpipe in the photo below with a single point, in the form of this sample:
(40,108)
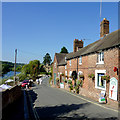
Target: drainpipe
(77,67)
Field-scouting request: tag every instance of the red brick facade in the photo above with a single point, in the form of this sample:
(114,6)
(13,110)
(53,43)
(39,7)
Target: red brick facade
(89,65)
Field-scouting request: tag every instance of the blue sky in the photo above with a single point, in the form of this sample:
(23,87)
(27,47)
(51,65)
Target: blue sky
(39,28)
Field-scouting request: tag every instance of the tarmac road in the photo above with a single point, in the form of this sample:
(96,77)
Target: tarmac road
(56,104)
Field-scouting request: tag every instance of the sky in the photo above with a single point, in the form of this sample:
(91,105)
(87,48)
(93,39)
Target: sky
(37,28)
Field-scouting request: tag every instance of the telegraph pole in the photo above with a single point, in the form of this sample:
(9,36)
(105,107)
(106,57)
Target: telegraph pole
(15,64)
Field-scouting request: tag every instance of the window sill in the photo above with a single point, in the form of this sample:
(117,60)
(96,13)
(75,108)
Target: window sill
(100,63)
(80,63)
(100,88)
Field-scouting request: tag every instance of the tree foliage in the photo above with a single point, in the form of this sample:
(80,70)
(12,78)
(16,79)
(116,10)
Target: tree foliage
(47,59)
(42,69)
(64,50)
(32,68)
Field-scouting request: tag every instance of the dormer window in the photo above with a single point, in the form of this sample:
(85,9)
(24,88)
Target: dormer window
(100,58)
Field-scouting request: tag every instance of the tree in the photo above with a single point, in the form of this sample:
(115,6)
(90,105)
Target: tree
(42,69)
(26,69)
(64,50)
(32,68)
(47,59)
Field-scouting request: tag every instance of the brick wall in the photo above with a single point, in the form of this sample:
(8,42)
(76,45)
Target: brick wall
(55,69)
(61,70)
(73,66)
(89,65)
(119,78)
(10,95)
(110,60)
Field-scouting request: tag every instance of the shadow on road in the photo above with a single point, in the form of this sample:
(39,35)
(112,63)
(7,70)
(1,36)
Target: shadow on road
(62,112)
(65,112)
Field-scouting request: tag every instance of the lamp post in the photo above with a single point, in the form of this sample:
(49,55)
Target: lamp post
(15,65)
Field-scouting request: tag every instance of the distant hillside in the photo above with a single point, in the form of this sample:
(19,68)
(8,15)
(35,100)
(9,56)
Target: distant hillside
(6,66)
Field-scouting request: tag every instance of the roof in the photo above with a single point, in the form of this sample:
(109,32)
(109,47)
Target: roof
(60,57)
(109,41)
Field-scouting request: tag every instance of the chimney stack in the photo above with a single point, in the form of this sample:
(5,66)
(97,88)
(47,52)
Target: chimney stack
(104,28)
(77,45)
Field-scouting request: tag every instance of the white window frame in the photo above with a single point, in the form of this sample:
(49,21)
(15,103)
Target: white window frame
(55,65)
(79,73)
(100,57)
(70,73)
(96,79)
(65,59)
(66,73)
(70,62)
(80,60)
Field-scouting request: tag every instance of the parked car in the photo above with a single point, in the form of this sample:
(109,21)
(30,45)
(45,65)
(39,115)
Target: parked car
(24,83)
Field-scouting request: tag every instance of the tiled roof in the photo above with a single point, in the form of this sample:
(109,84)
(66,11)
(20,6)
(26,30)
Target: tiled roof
(60,58)
(109,41)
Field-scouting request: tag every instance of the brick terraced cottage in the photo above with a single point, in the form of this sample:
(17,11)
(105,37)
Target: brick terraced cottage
(98,63)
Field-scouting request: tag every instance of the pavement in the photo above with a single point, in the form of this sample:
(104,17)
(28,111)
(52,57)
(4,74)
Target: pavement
(57,104)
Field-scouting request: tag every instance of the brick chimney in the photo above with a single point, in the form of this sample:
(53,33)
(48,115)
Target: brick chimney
(77,45)
(104,28)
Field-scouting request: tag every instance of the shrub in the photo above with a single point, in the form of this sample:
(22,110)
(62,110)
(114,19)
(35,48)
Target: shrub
(71,87)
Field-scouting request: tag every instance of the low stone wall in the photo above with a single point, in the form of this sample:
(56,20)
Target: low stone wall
(10,95)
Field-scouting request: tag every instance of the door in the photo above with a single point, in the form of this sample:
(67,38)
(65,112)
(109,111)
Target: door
(54,78)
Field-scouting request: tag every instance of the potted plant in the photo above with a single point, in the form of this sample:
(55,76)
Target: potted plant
(58,82)
(81,77)
(65,80)
(69,82)
(71,87)
(77,89)
(91,76)
(105,77)
(62,74)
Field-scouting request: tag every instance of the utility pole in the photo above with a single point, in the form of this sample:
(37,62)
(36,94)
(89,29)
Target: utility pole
(15,65)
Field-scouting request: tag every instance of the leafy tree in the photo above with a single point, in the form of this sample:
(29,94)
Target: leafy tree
(21,76)
(47,59)
(42,69)
(5,68)
(26,69)
(34,68)
(64,50)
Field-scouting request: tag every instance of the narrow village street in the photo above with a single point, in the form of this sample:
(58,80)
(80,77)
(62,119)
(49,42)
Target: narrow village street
(54,103)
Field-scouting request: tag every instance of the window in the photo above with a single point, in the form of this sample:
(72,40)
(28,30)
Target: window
(70,73)
(100,58)
(65,59)
(70,62)
(99,83)
(66,73)
(55,65)
(80,60)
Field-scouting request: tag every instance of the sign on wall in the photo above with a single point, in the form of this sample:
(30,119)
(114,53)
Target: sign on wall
(113,89)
